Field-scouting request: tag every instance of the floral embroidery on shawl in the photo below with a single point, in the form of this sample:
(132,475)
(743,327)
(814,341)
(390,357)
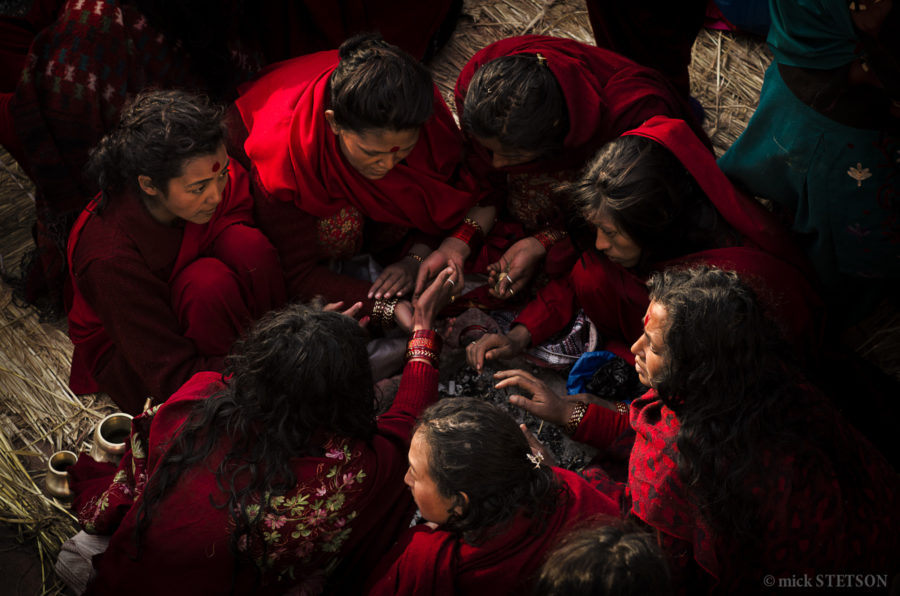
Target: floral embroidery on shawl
(102,514)
(304,530)
(341,235)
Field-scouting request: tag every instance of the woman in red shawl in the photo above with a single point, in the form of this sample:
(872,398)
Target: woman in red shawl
(493,508)
(535,110)
(270,477)
(353,151)
(746,472)
(166,268)
(655,197)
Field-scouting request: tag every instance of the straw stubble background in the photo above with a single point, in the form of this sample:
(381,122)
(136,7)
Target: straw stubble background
(38,413)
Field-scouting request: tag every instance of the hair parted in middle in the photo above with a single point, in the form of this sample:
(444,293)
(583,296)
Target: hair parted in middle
(378,86)
(518,101)
(478,449)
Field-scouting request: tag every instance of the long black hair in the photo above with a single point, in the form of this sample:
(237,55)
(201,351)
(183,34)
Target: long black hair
(518,101)
(157,133)
(378,86)
(727,377)
(478,449)
(650,196)
(298,372)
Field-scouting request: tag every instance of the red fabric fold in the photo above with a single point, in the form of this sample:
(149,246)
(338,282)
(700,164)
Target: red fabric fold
(297,157)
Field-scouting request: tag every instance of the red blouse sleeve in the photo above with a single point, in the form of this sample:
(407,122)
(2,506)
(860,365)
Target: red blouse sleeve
(418,390)
(550,311)
(600,426)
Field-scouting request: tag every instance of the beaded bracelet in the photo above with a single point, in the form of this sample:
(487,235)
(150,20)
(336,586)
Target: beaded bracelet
(424,346)
(549,237)
(468,231)
(575,418)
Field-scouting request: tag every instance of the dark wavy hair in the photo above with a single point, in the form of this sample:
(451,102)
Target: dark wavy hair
(478,449)
(609,558)
(727,377)
(158,132)
(651,196)
(517,100)
(378,86)
(298,372)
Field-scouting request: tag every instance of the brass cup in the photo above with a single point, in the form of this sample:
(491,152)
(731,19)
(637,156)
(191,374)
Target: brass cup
(110,437)
(57,474)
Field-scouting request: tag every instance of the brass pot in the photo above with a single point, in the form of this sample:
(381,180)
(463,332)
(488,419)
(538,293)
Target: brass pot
(111,437)
(57,474)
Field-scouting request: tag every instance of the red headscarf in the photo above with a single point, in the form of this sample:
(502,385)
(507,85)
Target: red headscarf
(297,157)
(606,94)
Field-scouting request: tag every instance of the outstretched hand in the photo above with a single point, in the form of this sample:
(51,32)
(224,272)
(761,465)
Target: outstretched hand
(451,251)
(436,295)
(396,280)
(351,312)
(543,403)
(496,345)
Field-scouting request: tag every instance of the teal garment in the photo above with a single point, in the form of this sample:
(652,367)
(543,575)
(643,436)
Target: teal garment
(812,33)
(838,182)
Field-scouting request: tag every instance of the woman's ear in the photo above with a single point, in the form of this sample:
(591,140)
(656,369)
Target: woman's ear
(461,503)
(329,117)
(147,186)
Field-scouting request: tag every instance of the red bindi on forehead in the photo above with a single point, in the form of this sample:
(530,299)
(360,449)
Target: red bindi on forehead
(216,167)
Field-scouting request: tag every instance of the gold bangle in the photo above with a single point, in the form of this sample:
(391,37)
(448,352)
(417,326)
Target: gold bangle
(575,418)
(415,257)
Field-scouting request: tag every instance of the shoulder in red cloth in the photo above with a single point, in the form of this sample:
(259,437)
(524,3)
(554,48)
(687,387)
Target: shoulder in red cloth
(297,157)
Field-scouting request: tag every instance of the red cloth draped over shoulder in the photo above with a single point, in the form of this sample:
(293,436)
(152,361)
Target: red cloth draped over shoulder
(812,519)
(349,504)
(85,327)
(430,562)
(297,157)
(616,298)
(606,93)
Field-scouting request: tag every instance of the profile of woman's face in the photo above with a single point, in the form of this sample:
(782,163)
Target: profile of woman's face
(433,506)
(373,153)
(650,348)
(613,242)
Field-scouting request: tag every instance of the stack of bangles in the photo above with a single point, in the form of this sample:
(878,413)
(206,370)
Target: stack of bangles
(383,312)
(470,232)
(424,346)
(581,409)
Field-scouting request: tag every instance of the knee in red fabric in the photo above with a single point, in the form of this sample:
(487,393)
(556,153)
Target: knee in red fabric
(253,258)
(211,306)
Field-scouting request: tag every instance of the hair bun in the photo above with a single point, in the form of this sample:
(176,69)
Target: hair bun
(360,43)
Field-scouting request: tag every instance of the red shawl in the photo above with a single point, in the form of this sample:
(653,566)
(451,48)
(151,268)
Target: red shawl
(615,298)
(606,94)
(430,562)
(85,327)
(297,157)
(349,503)
(811,522)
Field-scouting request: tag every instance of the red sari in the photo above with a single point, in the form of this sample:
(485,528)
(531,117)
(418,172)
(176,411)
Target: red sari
(152,304)
(812,521)
(615,298)
(349,505)
(431,562)
(606,95)
(309,188)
